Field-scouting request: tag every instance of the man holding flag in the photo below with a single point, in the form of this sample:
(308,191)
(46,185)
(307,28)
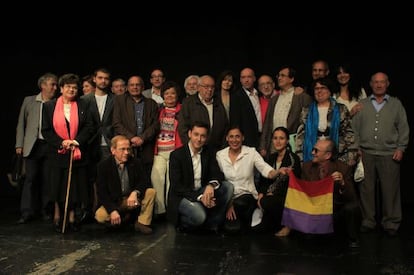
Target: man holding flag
(338,199)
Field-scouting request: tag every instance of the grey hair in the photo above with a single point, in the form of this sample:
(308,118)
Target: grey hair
(42,79)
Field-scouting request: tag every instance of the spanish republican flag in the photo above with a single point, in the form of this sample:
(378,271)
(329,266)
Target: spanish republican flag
(309,205)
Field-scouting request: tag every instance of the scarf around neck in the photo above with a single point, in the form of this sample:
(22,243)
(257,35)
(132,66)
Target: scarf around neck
(311,128)
(61,127)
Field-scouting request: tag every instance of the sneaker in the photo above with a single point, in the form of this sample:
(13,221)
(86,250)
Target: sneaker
(144,229)
(353,243)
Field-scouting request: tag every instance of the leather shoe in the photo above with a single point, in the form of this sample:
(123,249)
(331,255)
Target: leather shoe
(144,229)
(366,229)
(46,217)
(212,230)
(57,225)
(232,226)
(159,217)
(391,232)
(23,220)
(74,226)
(183,229)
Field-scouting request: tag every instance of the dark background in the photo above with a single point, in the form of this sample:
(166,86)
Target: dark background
(201,47)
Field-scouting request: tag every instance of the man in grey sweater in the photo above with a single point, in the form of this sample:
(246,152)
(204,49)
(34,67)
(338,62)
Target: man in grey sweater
(382,129)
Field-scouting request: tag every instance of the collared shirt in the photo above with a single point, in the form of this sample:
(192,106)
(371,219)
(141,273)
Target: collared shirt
(254,99)
(196,159)
(139,113)
(282,108)
(123,176)
(241,172)
(156,97)
(40,136)
(39,99)
(101,103)
(209,106)
(378,106)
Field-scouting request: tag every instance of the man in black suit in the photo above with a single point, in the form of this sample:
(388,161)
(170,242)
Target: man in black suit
(198,197)
(100,106)
(124,188)
(245,112)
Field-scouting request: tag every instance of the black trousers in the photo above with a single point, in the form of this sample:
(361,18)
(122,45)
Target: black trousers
(347,219)
(244,207)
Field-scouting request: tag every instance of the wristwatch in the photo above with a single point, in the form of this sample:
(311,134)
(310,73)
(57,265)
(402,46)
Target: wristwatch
(215,184)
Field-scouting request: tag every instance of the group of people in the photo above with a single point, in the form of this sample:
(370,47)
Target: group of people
(209,157)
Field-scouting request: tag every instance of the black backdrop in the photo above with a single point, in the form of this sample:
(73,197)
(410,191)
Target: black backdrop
(201,48)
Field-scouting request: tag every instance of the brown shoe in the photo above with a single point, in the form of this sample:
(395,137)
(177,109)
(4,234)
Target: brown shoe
(144,229)
(284,232)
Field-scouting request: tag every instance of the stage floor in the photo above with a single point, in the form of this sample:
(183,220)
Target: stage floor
(35,248)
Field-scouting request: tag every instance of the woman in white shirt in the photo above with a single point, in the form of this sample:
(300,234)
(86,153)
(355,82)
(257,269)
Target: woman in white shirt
(348,93)
(238,163)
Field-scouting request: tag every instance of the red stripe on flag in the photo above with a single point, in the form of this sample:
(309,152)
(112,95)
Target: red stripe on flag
(311,188)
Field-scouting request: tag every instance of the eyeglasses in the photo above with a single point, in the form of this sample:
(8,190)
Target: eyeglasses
(281,75)
(157,76)
(207,86)
(323,88)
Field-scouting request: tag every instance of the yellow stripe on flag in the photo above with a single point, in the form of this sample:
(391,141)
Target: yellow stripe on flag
(318,205)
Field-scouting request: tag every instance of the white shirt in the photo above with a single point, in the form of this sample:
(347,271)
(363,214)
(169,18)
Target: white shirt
(101,103)
(209,107)
(282,108)
(353,102)
(254,99)
(323,118)
(196,158)
(157,98)
(241,173)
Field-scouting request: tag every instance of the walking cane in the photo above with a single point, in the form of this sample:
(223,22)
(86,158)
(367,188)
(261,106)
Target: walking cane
(68,189)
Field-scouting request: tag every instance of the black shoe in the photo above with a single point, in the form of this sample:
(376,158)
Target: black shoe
(160,217)
(142,228)
(211,230)
(110,228)
(184,230)
(45,217)
(23,220)
(74,226)
(366,229)
(57,225)
(232,227)
(391,232)
(353,243)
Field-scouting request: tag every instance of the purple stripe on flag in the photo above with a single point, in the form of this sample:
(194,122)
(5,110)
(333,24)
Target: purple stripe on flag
(303,222)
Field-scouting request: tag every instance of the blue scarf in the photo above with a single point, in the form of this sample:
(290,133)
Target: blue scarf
(311,128)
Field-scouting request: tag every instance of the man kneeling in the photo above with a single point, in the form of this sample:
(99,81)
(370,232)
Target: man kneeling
(123,188)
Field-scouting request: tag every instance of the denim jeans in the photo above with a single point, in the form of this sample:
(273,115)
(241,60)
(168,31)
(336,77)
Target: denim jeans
(194,214)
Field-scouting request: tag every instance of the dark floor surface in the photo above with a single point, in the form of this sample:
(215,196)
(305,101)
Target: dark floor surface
(34,248)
